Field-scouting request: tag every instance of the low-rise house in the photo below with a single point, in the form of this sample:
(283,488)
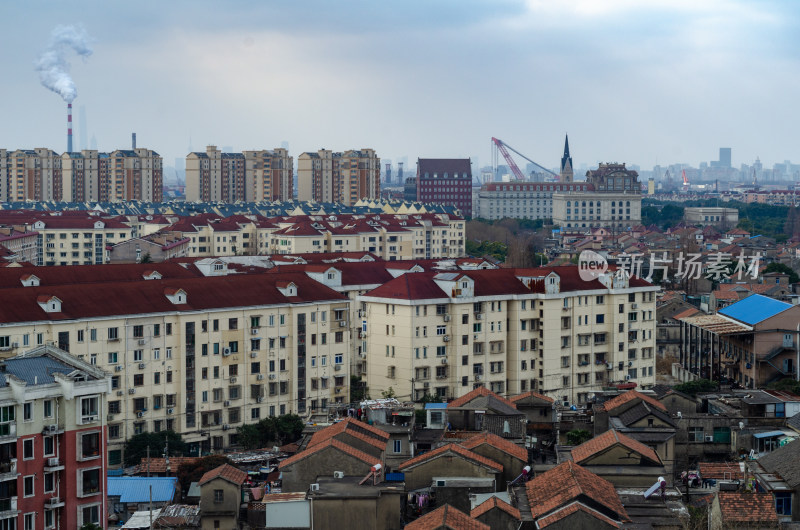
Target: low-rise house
(619,459)
(483,410)
(324,459)
(497,513)
(221,497)
(127,495)
(743,510)
(447,518)
(540,413)
(451,460)
(568,496)
(508,454)
(778,473)
(347,503)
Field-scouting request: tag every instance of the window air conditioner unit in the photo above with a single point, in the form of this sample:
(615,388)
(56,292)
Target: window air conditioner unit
(446,318)
(272,376)
(170,411)
(426,385)
(141,342)
(15,344)
(118,368)
(233,379)
(225,427)
(140,414)
(260,377)
(253,355)
(315,487)
(342,323)
(446,338)
(337,367)
(52,462)
(120,392)
(634,306)
(709,438)
(627,378)
(444,361)
(630,363)
(226,403)
(226,351)
(131,391)
(260,400)
(254,331)
(478,316)
(141,366)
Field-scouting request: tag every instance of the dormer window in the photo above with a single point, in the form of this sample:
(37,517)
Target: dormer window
(176,296)
(152,275)
(30,280)
(50,304)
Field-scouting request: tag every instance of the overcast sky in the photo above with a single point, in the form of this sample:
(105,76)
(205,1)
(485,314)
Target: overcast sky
(645,82)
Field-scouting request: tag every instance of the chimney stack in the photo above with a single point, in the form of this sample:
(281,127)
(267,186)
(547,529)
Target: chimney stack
(133,140)
(69,127)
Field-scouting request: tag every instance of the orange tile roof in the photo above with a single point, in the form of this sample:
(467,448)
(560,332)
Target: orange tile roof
(480,391)
(331,442)
(354,428)
(629,396)
(685,313)
(491,503)
(566,482)
(569,510)
(226,472)
(747,507)
(721,470)
(159,465)
(447,517)
(455,448)
(608,439)
(493,440)
(531,394)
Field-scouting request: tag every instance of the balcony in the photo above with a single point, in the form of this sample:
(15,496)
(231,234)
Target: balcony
(8,431)
(8,470)
(8,507)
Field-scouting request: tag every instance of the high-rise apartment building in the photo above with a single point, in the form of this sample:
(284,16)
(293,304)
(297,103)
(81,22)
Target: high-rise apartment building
(445,181)
(251,176)
(347,177)
(44,175)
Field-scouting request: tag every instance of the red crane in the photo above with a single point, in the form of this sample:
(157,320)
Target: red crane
(518,174)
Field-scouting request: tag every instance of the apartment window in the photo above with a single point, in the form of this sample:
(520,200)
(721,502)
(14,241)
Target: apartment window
(90,445)
(89,514)
(599,300)
(49,446)
(88,482)
(138,356)
(219,496)
(138,380)
(233,323)
(138,332)
(156,330)
(27,411)
(168,328)
(80,335)
(599,318)
(48,408)
(112,357)
(695,434)
(113,333)
(90,409)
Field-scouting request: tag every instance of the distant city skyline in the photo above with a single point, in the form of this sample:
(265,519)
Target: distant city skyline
(641,82)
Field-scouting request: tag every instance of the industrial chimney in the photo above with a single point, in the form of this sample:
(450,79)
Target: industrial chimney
(133,141)
(69,127)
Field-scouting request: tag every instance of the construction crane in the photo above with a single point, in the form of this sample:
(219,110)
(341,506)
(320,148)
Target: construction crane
(685,181)
(503,148)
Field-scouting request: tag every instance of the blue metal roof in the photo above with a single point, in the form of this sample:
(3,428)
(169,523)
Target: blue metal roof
(770,434)
(754,309)
(137,489)
(35,370)
(435,406)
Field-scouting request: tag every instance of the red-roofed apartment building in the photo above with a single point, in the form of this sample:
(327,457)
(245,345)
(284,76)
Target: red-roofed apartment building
(511,330)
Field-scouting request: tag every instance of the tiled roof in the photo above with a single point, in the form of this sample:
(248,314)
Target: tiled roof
(567,482)
(74,274)
(721,470)
(454,448)
(331,443)
(355,428)
(491,503)
(495,441)
(685,313)
(571,508)
(629,396)
(529,395)
(449,518)
(785,462)
(159,465)
(227,472)
(480,391)
(608,439)
(641,410)
(750,508)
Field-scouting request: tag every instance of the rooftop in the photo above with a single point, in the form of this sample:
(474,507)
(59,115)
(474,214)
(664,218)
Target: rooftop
(754,309)
(449,518)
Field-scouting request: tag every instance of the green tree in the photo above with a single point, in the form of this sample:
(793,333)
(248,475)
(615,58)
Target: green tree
(289,427)
(698,385)
(249,436)
(578,436)
(189,472)
(146,258)
(388,393)
(785,269)
(136,446)
(787,384)
(358,389)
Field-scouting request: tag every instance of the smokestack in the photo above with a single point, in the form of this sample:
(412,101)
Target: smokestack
(133,140)
(69,127)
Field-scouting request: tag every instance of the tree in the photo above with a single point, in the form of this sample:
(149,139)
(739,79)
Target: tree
(358,389)
(136,446)
(698,385)
(146,258)
(189,472)
(388,393)
(578,436)
(784,269)
(289,427)
(787,384)
(249,436)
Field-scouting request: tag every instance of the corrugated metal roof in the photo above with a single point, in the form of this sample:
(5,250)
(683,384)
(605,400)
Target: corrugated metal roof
(770,434)
(36,370)
(137,489)
(717,324)
(754,309)
(141,519)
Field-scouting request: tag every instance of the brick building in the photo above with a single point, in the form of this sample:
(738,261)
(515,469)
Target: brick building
(445,181)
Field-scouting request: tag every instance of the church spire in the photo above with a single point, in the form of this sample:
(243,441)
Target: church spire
(566,163)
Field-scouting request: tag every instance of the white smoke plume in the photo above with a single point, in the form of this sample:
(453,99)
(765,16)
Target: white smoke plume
(52,64)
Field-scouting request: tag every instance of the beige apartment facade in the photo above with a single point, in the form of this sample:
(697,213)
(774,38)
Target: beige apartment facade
(30,174)
(444,334)
(77,241)
(213,175)
(343,177)
(200,356)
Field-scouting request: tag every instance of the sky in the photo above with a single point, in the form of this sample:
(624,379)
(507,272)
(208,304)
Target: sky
(644,82)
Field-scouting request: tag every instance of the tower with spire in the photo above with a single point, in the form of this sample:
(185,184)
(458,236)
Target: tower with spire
(566,163)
